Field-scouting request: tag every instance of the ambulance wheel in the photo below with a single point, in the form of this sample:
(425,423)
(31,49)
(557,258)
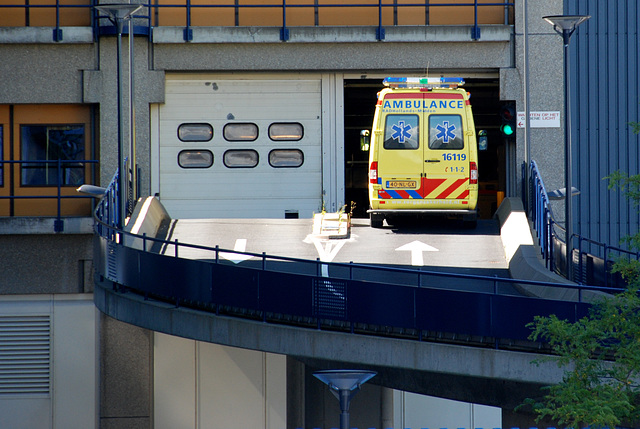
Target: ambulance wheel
(376,221)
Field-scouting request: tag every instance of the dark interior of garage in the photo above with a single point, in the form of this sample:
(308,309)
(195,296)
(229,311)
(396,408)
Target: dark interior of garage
(360,96)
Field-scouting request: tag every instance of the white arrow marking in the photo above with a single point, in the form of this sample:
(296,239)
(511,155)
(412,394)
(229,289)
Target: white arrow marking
(236,258)
(416,248)
(326,253)
(329,251)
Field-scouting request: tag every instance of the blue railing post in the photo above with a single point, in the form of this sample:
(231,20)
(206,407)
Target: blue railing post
(188,32)
(284,31)
(475,30)
(57,32)
(380,32)
(58,224)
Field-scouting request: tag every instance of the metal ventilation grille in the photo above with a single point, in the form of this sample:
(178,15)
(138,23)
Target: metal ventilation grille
(25,349)
(329,298)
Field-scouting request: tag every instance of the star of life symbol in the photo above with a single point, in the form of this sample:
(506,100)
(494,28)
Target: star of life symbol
(445,131)
(401,132)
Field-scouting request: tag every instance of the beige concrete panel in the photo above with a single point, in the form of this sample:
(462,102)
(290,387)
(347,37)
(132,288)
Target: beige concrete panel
(75,362)
(174,382)
(125,374)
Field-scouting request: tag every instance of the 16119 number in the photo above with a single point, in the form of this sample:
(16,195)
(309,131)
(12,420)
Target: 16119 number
(454,156)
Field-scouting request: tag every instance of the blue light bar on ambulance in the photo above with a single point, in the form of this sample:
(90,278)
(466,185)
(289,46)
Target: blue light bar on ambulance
(423,82)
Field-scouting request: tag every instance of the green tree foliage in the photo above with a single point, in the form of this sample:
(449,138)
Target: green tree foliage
(601,352)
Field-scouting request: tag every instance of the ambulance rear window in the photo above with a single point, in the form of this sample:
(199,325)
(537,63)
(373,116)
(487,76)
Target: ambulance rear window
(445,132)
(401,132)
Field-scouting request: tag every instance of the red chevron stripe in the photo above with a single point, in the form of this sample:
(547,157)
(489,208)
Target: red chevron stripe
(451,188)
(464,195)
(429,185)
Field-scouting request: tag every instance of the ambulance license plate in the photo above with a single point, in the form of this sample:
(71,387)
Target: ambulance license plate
(401,184)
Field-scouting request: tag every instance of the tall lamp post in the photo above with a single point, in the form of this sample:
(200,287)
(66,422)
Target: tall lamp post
(344,384)
(118,13)
(565,25)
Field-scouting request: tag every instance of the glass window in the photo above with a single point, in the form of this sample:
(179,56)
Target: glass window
(401,132)
(52,143)
(195,132)
(195,159)
(240,132)
(445,132)
(286,131)
(286,158)
(241,158)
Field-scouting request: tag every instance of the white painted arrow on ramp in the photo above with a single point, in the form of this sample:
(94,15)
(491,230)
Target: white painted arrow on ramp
(416,248)
(236,258)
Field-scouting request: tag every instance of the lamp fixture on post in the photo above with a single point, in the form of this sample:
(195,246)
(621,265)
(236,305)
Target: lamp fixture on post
(118,13)
(565,25)
(344,384)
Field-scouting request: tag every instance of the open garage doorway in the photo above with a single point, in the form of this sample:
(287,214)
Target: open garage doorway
(360,96)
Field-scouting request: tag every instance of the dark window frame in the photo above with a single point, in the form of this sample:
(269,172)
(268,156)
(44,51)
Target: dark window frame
(46,164)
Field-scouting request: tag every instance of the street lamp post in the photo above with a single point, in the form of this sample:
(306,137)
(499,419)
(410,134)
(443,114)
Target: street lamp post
(118,13)
(344,384)
(565,25)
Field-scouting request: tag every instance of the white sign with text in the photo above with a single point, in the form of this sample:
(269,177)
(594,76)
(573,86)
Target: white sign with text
(540,119)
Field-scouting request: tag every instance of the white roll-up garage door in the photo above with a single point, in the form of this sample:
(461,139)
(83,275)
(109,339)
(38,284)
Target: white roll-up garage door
(241,148)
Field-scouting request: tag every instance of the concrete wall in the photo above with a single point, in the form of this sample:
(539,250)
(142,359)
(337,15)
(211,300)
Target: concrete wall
(35,70)
(200,384)
(544,56)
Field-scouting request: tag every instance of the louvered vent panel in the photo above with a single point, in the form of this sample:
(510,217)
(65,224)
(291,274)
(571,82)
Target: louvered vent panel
(25,349)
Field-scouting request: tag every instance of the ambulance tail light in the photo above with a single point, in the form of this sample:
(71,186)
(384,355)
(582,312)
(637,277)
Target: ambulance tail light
(373,172)
(423,82)
(473,177)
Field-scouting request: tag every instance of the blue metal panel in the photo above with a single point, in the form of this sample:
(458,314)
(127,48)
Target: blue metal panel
(604,77)
(382,304)
(471,314)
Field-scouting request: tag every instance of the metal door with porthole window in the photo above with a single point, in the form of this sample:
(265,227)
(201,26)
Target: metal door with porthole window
(249,148)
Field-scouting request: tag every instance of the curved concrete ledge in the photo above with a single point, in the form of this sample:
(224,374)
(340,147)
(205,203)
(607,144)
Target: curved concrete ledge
(523,256)
(149,217)
(473,374)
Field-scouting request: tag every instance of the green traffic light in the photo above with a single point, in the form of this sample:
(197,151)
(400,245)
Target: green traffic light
(507,129)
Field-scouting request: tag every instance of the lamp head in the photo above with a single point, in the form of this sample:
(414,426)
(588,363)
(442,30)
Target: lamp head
(344,379)
(118,11)
(565,25)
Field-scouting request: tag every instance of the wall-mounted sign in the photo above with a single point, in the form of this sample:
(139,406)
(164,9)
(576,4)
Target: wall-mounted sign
(540,119)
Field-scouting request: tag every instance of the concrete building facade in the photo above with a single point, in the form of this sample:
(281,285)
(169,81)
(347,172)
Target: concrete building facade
(96,371)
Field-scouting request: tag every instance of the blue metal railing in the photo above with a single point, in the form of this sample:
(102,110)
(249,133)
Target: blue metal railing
(60,166)
(286,6)
(588,266)
(351,297)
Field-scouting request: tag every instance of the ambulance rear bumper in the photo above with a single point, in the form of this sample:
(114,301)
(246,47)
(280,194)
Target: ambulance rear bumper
(400,212)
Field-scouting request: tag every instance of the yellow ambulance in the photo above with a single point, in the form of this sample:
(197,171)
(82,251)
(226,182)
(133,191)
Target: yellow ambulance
(423,156)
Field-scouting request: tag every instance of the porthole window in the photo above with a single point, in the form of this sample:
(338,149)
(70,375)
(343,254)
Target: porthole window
(241,158)
(286,131)
(240,132)
(286,158)
(195,159)
(195,132)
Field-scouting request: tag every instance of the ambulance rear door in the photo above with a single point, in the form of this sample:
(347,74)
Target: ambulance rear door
(400,160)
(445,183)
